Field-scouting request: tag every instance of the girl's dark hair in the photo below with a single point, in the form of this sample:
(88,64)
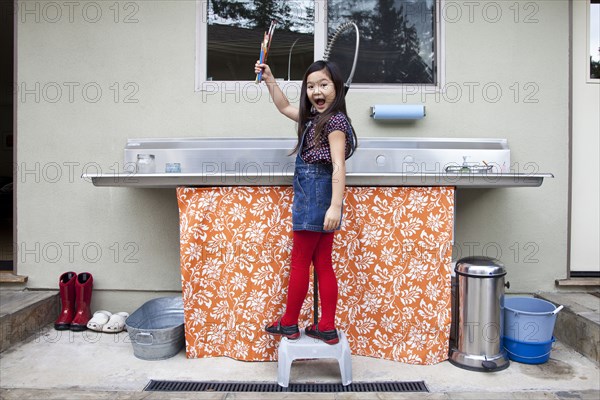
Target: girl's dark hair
(338,105)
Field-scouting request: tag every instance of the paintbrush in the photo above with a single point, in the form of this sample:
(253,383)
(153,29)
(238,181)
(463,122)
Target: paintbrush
(264,48)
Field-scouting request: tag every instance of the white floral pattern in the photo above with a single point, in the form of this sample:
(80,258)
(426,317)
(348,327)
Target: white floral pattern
(392,260)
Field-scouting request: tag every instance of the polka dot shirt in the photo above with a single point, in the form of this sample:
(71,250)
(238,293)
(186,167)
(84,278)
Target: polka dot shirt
(320,153)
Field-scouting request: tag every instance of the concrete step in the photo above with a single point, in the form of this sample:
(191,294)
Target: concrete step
(24,313)
(578,323)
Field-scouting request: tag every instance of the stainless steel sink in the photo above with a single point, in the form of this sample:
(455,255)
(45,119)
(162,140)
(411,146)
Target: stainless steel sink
(461,163)
(271,155)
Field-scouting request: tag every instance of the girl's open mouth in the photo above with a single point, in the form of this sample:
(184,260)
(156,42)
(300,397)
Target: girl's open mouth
(320,102)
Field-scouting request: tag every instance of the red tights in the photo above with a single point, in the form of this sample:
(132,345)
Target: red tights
(312,247)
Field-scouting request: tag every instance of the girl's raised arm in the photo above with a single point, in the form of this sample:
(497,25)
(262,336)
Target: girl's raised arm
(279,98)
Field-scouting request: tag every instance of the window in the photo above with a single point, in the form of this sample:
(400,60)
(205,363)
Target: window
(398,42)
(594,39)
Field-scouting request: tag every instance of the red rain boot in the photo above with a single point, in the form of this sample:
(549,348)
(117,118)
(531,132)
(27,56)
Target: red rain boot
(83,298)
(66,285)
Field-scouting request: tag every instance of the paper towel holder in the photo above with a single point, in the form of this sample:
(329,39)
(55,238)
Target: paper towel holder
(398,112)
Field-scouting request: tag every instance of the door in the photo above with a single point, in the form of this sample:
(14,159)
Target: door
(7,16)
(585,168)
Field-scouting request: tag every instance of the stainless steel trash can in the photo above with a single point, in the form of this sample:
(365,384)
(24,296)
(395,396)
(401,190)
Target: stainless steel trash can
(479,303)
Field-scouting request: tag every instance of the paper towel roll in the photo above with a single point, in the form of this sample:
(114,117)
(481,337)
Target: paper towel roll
(398,111)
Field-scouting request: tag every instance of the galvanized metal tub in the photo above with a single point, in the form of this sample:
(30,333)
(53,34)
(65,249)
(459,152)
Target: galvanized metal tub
(156,328)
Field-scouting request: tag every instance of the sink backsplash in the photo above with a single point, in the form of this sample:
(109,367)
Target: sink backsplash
(213,156)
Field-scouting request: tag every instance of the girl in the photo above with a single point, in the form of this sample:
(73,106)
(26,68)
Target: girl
(325,140)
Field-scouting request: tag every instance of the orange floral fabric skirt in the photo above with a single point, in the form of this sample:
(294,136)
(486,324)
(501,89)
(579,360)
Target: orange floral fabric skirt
(392,260)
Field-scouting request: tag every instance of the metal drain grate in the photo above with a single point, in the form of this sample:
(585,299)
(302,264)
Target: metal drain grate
(187,386)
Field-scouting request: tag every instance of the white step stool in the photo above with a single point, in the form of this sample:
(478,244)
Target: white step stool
(307,347)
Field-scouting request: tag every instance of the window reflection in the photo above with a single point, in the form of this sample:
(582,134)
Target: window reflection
(396,39)
(235,30)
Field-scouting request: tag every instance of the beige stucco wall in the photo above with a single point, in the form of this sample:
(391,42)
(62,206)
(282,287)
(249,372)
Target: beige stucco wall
(62,220)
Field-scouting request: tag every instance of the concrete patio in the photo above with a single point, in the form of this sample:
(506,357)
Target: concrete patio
(53,364)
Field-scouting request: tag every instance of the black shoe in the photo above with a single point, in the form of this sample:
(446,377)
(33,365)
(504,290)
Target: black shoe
(291,332)
(329,337)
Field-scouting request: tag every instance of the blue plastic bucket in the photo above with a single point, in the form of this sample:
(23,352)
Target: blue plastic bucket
(528,353)
(527,319)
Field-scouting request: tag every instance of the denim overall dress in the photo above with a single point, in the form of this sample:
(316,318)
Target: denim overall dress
(312,193)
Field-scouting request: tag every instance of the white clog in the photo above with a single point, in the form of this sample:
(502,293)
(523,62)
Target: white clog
(116,323)
(98,320)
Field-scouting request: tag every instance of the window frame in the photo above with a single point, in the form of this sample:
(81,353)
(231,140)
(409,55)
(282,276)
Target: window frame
(320,42)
